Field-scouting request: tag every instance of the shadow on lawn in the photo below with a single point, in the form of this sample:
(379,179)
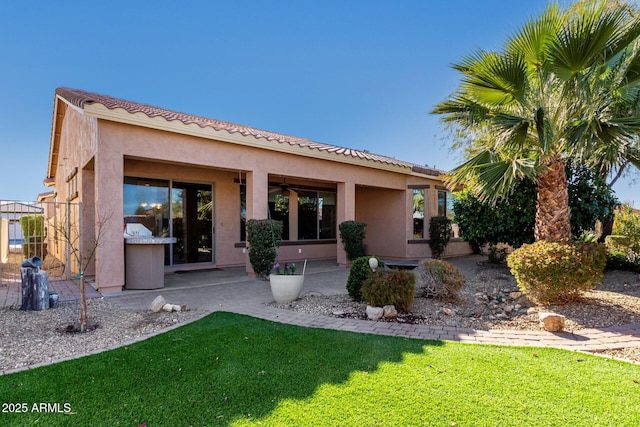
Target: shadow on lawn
(214,371)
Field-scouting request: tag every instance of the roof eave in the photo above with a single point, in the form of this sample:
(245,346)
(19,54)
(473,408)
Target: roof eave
(140,119)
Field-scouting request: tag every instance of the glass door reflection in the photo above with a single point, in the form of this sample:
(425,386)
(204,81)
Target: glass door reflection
(192,223)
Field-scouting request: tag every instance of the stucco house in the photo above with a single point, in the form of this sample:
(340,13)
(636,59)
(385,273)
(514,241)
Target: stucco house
(198,180)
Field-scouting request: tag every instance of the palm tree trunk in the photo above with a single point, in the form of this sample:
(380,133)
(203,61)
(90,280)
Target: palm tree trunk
(552,207)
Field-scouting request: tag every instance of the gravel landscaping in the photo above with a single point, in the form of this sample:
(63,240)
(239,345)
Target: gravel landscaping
(489,300)
(30,338)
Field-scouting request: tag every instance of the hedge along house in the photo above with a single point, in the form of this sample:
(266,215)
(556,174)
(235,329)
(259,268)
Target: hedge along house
(199,180)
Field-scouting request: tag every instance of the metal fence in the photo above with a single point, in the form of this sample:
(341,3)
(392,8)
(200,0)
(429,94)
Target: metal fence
(49,230)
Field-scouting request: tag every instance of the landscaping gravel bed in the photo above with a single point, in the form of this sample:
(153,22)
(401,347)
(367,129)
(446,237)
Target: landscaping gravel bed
(38,337)
(490,299)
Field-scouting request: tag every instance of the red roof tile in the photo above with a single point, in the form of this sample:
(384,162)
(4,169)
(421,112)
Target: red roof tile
(80,98)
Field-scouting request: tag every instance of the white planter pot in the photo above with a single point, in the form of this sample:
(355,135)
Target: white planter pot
(286,288)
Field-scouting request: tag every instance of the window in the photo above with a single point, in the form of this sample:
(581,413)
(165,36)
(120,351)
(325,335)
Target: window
(316,215)
(72,185)
(418,213)
(445,208)
(243,212)
(279,208)
(445,204)
(146,202)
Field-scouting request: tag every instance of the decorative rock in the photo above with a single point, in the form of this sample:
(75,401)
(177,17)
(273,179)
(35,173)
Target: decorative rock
(515,295)
(517,306)
(447,311)
(177,308)
(338,313)
(168,307)
(157,304)
(374,313)
(183,307)
(508,308)
(552,322)
(389,311)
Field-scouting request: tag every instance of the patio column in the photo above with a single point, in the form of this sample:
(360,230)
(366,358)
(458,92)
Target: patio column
(109,202)
(346,212)
(257,199)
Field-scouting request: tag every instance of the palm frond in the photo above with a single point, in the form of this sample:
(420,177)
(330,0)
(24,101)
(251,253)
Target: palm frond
(536,37)
(589,37)
(490,176)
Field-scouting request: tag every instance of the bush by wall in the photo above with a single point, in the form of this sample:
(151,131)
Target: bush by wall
(626,232)
(34,233)
(359,272)
(32,225)
(264,237)
(439,234)
(438,279)
(395,287)
(557,272)
(352,234)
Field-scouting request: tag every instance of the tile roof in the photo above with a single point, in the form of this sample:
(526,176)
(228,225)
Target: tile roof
(80,98)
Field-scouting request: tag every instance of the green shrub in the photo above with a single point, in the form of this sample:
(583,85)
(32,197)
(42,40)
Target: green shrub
(439,234)
(352,234)
(32,225)
(263,236)
(627,223)
(34,233)
(618,260)
(395,287)
(439,279)
(557,272)
(359,272)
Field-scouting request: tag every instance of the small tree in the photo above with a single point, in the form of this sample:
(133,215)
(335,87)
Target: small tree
(352,234)
(439,234)
(83,257)
(263,236)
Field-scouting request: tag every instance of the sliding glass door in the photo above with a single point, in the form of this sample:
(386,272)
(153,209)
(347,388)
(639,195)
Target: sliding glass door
(163,208)
(192,222)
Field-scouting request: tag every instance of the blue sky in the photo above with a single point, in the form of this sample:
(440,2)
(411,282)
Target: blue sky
(359,74)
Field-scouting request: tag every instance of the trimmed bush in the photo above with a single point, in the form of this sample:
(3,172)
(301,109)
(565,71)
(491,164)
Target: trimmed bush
(627,223)
(359,272)
(395,287)
(439,234)
(558,272)
(32,225)
(439,279)
(352,234)
(34,233)
(263,236)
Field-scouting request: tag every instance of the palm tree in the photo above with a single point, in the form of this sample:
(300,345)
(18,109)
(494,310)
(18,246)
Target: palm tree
(564,86)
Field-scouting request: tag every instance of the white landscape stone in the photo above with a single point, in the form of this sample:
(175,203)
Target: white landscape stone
(157,304)
(374,313)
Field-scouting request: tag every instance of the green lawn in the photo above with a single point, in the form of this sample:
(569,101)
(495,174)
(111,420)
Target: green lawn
(228,369)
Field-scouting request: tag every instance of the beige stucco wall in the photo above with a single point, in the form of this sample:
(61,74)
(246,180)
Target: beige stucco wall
(385,214)
(108,151)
